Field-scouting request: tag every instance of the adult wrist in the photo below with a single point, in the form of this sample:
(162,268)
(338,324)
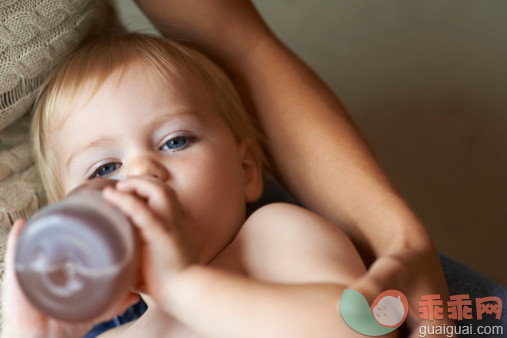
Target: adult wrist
(396,235)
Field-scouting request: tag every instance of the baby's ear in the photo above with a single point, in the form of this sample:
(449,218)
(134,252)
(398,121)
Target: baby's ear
(252,172)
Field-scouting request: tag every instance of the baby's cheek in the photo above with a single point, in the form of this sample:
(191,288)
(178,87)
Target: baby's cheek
(218,196)
(218,179)
(213,200)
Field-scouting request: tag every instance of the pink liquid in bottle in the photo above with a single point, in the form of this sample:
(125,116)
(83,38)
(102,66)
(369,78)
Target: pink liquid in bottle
(78,258)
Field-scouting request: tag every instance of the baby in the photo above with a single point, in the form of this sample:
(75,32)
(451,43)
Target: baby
(170,121)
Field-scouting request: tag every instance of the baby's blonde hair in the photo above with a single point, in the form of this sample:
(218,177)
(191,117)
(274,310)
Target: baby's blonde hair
(89,66)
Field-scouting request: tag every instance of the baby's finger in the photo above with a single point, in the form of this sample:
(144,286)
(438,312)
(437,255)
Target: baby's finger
(157,194)
(137,211)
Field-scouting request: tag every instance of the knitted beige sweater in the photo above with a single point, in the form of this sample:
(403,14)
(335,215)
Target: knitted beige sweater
(34,36)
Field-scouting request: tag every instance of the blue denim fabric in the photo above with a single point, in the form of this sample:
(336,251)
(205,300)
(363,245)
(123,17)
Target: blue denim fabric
(133,312)
(460,279)
(464,281)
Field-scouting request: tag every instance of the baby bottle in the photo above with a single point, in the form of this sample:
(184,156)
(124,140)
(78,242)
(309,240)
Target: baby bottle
(78,258)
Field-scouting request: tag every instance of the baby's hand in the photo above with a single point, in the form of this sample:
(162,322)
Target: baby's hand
(154,210)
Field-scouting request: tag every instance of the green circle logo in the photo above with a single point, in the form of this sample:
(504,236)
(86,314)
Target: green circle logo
(387,312)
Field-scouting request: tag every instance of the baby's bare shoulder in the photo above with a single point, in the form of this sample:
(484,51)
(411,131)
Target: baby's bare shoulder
(286,243)
(282,220)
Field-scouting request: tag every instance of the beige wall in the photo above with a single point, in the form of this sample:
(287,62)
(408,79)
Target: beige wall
(426,81)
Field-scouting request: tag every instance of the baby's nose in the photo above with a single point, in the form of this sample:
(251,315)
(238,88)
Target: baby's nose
(148,166)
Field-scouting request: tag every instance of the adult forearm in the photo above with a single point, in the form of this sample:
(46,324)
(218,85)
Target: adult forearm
(317,151)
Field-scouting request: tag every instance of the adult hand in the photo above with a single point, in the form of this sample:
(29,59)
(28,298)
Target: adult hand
(415,273)
(22,319)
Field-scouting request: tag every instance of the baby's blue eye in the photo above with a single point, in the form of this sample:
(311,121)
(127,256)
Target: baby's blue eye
(177,143)
(105,170)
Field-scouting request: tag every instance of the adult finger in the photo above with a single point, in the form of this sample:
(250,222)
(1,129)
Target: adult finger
(13,236)
(19,315)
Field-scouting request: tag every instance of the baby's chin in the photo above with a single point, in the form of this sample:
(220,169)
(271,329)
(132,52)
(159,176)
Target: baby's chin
(130,299)
(139,288)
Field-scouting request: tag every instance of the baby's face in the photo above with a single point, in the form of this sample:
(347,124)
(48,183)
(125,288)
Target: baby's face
(139,126)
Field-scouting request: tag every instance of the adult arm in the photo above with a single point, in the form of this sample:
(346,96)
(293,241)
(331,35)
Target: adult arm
(319,155)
